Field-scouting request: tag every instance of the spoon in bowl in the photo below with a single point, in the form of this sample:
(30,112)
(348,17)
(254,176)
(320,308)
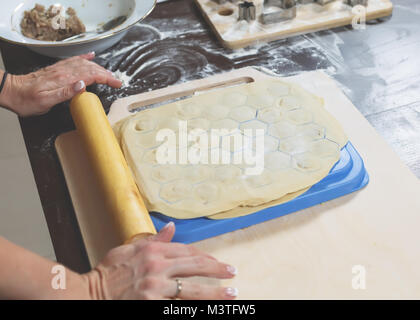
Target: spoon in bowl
(106,27)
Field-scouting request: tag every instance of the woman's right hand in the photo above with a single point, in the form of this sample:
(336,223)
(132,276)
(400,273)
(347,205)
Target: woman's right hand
(148,269)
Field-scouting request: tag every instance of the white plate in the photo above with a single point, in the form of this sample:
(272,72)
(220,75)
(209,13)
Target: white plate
(93,14)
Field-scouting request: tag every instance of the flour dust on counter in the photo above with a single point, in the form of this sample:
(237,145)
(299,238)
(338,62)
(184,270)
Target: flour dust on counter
(152,57)
(157,54)
(165,51)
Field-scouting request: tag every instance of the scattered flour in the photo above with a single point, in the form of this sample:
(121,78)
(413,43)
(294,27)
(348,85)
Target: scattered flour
(169,51)
(123,77)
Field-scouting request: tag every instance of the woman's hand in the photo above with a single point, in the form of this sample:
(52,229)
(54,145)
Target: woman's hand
(147,269)
(37,92)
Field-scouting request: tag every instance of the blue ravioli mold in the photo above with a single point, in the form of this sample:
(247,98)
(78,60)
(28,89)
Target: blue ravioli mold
(347,176)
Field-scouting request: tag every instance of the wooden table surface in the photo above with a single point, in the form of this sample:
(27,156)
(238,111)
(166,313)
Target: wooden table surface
(377,68)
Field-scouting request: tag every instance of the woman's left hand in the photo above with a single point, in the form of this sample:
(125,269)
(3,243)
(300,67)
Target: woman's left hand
(36,93)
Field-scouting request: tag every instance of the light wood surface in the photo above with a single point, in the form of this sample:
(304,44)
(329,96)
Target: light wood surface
(307,254)
(310,18)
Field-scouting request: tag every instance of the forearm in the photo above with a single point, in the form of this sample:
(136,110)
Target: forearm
(25,275)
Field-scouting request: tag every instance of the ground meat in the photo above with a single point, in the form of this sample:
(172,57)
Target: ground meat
(39,23)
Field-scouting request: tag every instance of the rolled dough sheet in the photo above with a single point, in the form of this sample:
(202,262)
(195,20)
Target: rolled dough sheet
(302,142)
(243,211)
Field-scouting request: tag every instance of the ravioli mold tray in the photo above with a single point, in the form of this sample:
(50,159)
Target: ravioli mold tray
(348,175)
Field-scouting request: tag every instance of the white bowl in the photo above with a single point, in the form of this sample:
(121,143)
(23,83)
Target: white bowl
(93,14)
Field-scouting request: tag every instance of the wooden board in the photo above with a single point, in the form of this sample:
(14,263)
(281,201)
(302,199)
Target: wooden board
(308,254)
(310,18)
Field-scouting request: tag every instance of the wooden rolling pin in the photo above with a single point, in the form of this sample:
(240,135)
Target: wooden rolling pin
(132,220)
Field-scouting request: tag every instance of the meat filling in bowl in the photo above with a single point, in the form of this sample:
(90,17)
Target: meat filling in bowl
(45,25)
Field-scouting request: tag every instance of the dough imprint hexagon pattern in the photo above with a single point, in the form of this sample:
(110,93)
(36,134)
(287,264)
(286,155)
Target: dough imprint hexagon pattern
(302,142)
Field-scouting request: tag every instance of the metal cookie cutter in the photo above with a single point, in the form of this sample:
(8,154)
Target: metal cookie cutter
(354,3)
(287,11)
(246,11)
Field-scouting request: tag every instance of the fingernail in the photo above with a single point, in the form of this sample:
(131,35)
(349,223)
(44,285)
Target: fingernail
(92,53)
(231,292)
(170,224)
(79,86)
(232,270)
